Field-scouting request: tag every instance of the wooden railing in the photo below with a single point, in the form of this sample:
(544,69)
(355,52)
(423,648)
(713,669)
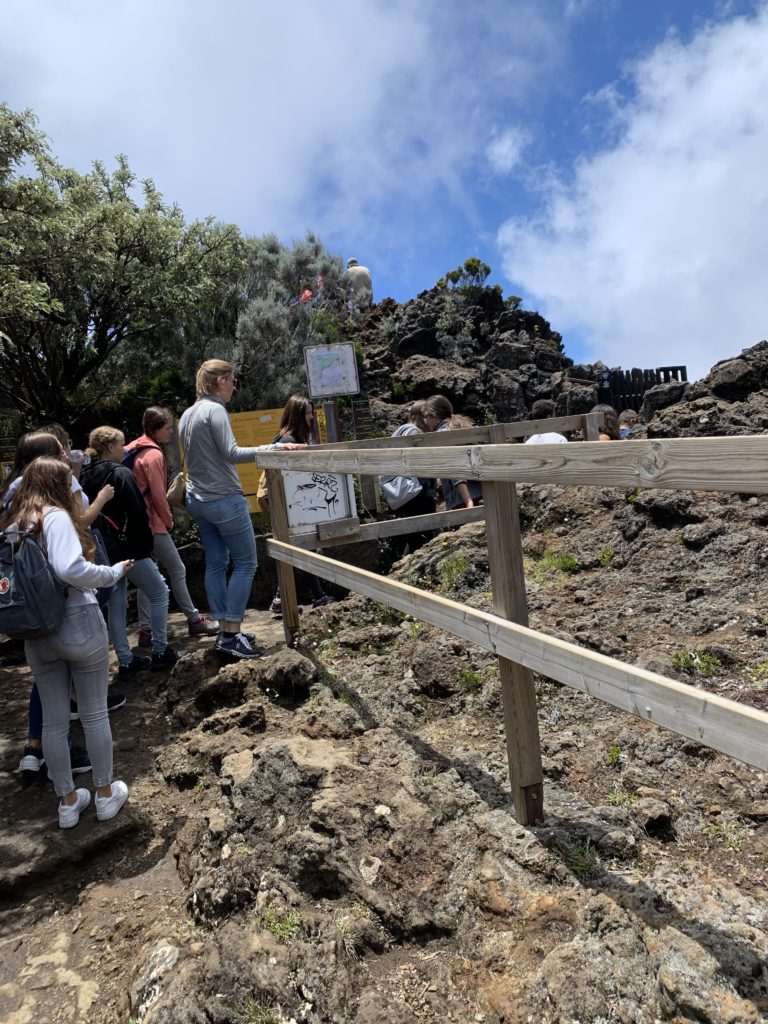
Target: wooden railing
(738,464)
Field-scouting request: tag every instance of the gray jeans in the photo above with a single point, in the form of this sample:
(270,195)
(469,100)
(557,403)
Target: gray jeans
(76,655)
(166,554)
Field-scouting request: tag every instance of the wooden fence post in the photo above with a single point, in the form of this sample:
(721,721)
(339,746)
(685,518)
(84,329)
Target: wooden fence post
(505,559)
(278,512)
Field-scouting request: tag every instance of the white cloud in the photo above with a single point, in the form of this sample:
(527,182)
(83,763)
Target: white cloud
(505,150)
(655,249)
(281,117)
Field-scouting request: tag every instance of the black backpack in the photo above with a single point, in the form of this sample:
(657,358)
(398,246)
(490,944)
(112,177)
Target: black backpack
(32,598)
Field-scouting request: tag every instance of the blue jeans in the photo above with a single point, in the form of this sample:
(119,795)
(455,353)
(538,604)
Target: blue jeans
(146,576)
(227,534)
(76,654)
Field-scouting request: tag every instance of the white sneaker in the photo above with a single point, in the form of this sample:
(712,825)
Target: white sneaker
(69,815)
(108,806)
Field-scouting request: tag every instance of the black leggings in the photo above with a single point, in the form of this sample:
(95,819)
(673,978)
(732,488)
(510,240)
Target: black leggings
(422,505)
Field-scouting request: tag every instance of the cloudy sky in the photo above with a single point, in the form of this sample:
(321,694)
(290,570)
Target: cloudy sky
(606,157)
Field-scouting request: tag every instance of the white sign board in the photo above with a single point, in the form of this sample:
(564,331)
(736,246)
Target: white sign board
(315,498)
(331,370)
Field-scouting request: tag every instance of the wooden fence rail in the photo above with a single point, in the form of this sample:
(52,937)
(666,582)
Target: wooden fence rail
(737,464)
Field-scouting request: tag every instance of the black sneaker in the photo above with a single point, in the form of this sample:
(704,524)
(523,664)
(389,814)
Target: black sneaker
(78,757)
(33,759)
(133,668)
(321,602)
(237,646)
(162,662)
(115,700)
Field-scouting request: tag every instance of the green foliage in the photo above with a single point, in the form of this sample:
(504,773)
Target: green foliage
(256,1011)
(619,797)
(605,557)
(614,754)
(469,681)
(275,327)
(556,560)
(759,674)
(727,831)
(89,264)
(695,663)
(582,859)
(470,277)
(449,571)
(282,926)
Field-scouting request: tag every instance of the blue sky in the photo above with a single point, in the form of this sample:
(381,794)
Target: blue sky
(606,157)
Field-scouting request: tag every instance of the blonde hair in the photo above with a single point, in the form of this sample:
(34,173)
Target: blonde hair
(209,374)
(100,438)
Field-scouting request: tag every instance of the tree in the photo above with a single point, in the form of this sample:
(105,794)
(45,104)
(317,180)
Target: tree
(276,324)
(89,263)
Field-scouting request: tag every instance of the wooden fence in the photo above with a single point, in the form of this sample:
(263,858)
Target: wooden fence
(738,464)
(626,388)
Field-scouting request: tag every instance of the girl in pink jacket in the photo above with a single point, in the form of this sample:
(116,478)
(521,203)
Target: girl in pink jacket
(151,472)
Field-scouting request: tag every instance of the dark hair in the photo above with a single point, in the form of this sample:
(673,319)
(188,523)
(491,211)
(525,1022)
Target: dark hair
(610,421)
(155,418)
(58,432)
(542,409)
(438,405)
(293,421)
(47,480)
(30,447)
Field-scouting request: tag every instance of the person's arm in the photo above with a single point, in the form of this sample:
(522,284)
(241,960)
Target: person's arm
(66,556)
(106,494)
(463,492)
(224,439)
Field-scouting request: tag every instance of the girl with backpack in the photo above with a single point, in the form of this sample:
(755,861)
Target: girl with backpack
(125,527)
(77,653)
(145,458)
(29,447)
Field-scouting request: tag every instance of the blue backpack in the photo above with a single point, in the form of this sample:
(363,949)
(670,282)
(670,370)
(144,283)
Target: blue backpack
(130,456)
(32,598)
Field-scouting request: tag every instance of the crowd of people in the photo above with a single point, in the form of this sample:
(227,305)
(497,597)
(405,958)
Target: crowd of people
(103,519)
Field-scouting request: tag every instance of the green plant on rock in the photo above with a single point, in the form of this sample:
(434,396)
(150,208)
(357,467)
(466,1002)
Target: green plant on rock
(449,571)
(555,560)
(605,558)
(620,797)
(282,926)
(582,859)
(470,681)
(759,674)
(614,754)
(256,1011)
(695,662)
(727,831)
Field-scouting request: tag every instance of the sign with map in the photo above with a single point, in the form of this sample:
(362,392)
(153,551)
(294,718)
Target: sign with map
(331,370)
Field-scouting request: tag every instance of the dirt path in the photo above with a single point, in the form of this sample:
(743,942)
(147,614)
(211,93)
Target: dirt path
(75,906)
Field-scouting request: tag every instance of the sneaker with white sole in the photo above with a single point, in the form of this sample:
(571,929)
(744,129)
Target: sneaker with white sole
(203,627)
(276,608)
(32,759)
(237,646)
(69,816)
(108,806)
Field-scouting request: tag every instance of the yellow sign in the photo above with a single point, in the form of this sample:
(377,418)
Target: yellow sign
(251,429)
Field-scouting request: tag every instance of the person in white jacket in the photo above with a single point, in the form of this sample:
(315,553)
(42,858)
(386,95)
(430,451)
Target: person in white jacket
(77,654)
